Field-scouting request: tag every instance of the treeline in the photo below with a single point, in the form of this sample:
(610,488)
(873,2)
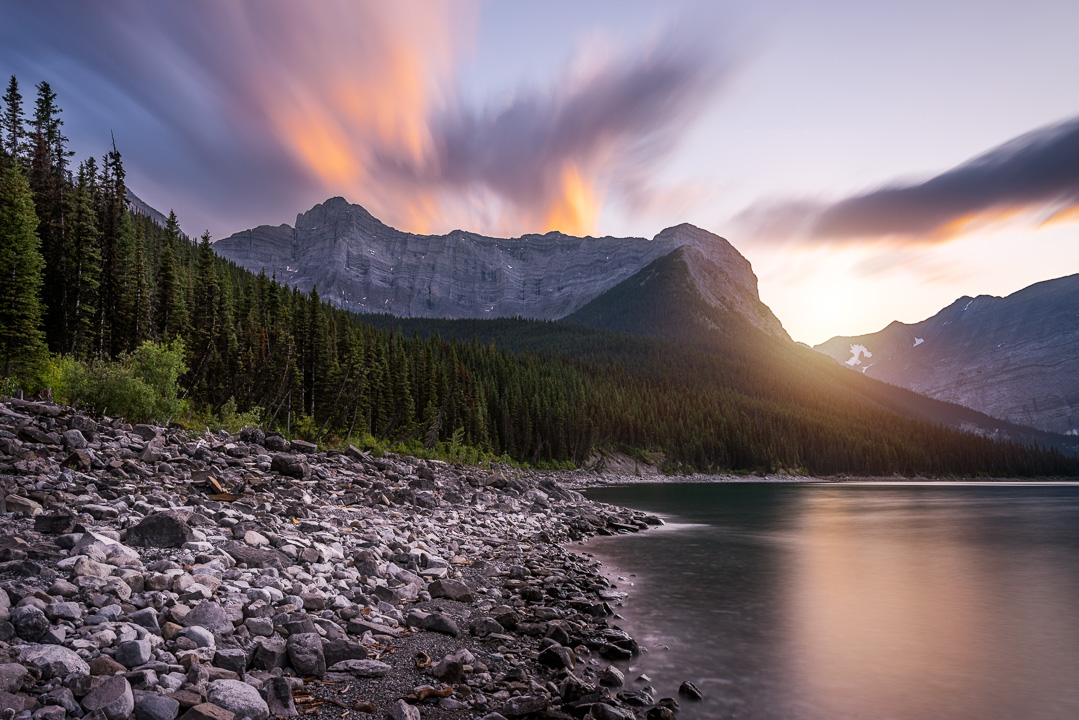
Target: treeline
(89,283)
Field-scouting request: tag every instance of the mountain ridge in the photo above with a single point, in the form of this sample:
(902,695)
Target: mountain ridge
(361,264)
(1013,357)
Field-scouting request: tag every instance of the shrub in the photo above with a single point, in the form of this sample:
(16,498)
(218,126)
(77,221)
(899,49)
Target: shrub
(141,386)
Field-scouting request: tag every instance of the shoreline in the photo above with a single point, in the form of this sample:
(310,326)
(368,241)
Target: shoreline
(147,572)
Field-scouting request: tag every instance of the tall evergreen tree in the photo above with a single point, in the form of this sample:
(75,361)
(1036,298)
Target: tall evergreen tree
(171,310)
(82,273)
(22,345)
(13,123)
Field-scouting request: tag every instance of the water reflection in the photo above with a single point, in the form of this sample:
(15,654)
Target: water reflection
(829,601)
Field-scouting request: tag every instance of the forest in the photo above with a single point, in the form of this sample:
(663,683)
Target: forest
(119,315)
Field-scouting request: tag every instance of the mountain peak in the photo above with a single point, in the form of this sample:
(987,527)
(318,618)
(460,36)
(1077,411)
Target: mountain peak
(361,264)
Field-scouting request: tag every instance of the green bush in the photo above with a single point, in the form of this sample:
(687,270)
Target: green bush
(141,386)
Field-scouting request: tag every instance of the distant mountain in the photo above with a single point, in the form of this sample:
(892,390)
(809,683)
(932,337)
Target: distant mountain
(1015,358)
(363,265)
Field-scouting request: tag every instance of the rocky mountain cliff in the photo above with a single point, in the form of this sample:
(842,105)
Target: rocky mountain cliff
(361,264)
(1016,358)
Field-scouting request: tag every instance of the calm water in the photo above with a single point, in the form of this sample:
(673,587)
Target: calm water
(835,602)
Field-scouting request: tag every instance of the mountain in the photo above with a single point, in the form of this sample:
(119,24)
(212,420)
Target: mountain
(360,264)
(683,296)
(1016,358)
(140,207)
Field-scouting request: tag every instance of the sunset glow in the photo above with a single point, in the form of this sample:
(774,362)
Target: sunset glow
(854,201)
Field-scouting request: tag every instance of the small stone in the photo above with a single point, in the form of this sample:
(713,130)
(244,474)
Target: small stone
(133,653)
(208,711)
(452,589)
(524,705)
(157,707)
(30,623)
(362,668)
(239,698)
(337,650)
(270,653)
(112,697)
(603,711)
(557,657)
(12,676)
(306,655)
(232,659)
(167,529)
(54,523)
(199,635)
(279,698)
(691,691)
(291,465)
(401,710)
(74,439)
(105,665)
(53,661)
(211,616)
(437,622)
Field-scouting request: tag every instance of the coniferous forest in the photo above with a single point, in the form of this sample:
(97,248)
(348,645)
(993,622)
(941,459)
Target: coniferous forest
(109,310)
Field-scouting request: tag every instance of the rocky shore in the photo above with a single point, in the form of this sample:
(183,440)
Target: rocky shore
(149,574)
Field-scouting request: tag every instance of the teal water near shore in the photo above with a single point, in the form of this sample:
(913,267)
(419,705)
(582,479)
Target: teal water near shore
(957,601)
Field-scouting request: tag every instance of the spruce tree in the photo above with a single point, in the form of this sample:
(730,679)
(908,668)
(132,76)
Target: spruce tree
(13,123)
(83,271)
(22,344)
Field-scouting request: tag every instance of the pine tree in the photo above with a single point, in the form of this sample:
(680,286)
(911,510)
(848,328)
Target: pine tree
(171,313)
(83,271)
(13,123)
(22,344)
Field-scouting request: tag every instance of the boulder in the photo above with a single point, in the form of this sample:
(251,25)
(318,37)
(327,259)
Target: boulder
(167,529)
(112,697)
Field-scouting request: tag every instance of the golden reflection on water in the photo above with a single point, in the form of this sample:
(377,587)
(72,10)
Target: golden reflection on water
(897,614)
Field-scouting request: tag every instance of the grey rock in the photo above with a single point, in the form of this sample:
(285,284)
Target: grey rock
(361,668)
(279,698)
(291,465)
(306,655)
(211,616)
(452,589)
(74,439)
(30,623)
(524,705)
(401,710)
(437,622)
(689,690)
(112,697)
(257,557)
(168,529)
(199,635)
(603,711)
(133,653)
(337,650)
(239,698)
(269,653)
(71,611)
(233,659)
(12,676)
(157,707)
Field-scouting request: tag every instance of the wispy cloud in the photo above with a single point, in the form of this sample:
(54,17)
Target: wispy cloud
(1036,175)
(238,110)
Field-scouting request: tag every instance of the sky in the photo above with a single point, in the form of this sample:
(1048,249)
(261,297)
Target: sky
(874,161)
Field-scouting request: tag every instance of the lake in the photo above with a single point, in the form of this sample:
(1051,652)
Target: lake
(897,601)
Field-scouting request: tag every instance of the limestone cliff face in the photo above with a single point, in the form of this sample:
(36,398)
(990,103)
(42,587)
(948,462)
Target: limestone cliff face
(361,264)
(1016,358)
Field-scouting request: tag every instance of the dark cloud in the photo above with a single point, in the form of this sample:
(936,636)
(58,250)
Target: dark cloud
(1035,173)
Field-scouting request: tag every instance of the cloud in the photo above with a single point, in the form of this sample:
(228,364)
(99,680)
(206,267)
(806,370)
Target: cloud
(237,113)
(1034,174)
(549,156)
